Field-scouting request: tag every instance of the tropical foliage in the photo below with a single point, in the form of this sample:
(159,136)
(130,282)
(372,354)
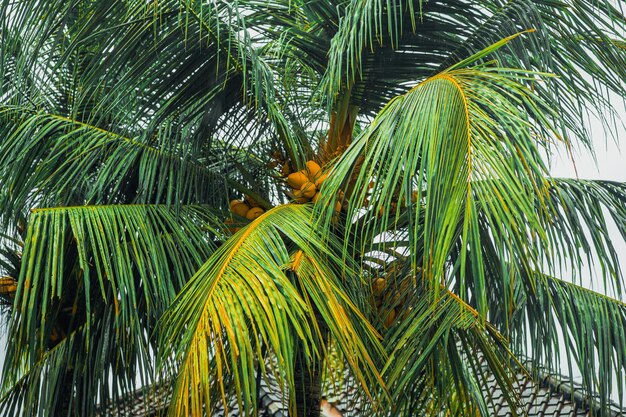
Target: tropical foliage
(395,212)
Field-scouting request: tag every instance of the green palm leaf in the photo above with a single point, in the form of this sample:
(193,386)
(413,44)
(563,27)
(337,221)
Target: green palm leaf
(579,222)
(50,159)
(489,163)
(535,311)
(441,354)
(103,274)
(418,39)
(591,326)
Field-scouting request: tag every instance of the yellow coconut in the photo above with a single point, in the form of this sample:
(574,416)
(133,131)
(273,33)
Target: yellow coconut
(241,209)
(337,206)
(233,203)
(230,226)
(320,180)
(301,199)
(308,190)
(379,286)
(254,212)
(398,299)
(8,286)
(313,169)
(316,197)
(296,179)
(406,313)
(296,193)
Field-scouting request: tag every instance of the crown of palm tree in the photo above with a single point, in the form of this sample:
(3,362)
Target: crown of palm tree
(431,243)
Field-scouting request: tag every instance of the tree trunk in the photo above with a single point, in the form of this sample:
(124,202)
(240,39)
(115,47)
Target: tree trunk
(308,388)
(308,380)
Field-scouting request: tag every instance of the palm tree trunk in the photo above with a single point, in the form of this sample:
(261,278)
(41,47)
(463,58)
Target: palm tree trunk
(308,388)
(308,380)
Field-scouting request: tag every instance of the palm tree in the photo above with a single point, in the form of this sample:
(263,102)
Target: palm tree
(399,217)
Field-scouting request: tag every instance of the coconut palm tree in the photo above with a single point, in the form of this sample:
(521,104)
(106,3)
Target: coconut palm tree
(205,193)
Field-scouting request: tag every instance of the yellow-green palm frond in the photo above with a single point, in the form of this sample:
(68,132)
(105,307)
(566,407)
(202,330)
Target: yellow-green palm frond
(256,296)
(347,326)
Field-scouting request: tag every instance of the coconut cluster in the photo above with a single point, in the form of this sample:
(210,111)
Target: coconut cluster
(246,208)
(389,297)
(306,184)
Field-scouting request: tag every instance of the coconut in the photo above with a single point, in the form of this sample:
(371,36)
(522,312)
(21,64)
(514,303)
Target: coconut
(8,286)
(313,169)
(316,197)
(308,190)
(230,225)
(240,209)
(296,179)
(301,199)
(233,203)
(254,212)
(320,180)
(379,286)
(406,313)
(285,169)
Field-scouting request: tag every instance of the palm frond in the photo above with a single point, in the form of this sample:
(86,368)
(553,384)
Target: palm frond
(446,152)
(81,372)
(104,274)
(547,318)
(582,213)
(585,326)
(418,39)
(50,159)
(349,329)
(440,356)
(243,302)
(199,73)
